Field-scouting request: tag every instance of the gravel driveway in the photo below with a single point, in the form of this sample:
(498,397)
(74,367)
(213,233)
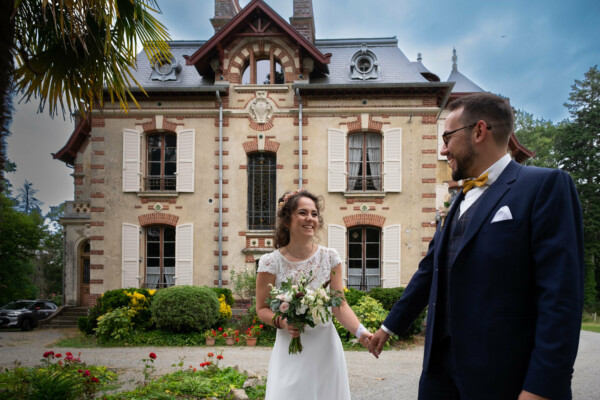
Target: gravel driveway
(394,376)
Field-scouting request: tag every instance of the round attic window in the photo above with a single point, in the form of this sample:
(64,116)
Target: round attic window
(364,64)
(164,68)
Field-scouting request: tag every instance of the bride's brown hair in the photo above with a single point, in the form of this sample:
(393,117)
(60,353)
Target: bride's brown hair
(287,204)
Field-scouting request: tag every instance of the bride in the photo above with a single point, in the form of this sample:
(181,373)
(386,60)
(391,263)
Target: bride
(319,371)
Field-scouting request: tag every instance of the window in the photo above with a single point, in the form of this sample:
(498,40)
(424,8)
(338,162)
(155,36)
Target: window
(364,257)
(261,190)
(364,162)
(160,256)
(364,64)
(161,162)
(263,74)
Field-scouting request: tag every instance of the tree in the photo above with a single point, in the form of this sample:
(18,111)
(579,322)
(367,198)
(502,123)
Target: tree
(69,54)
(27,202)
(20,238)
(537,135)
(578,152)
(49,258)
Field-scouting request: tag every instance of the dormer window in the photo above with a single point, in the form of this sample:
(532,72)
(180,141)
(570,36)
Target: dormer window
(364,64)
(165,70)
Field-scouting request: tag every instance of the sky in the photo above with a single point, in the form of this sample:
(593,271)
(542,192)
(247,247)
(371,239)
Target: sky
(531,51)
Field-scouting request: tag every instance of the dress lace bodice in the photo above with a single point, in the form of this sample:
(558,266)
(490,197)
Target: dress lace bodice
(320,263)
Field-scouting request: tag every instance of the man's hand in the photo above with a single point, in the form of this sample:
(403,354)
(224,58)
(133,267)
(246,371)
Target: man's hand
(530,396)
(377,341)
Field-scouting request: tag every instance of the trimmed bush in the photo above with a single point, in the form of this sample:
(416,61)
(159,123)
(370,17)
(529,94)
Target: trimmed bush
(388,297)
(353,296)
(116,324)
(225,292)
(370,313)
(185,308)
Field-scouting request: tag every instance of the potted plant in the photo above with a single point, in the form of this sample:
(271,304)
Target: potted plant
(252,334)
(231,336)
(210,336)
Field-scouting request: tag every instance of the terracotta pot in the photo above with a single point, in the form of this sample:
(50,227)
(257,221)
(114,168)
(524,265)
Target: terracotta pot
(210,341)
(251,341)
(229,341)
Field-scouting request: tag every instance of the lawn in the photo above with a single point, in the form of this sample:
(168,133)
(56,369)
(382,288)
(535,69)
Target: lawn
(591,326)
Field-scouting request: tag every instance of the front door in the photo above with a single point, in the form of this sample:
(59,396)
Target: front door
(84,275)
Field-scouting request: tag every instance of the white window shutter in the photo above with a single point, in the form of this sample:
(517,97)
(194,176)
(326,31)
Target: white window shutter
(336,157)
(336,239)
(185,160)
(391,256)
(392,160)
(130,256)
(131,160)
(184,255)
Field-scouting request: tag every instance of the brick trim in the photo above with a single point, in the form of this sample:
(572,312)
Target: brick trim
(364,219)
(158,219)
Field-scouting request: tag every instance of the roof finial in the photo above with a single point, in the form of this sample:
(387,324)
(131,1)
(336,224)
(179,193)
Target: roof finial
(454,58)
(419,58)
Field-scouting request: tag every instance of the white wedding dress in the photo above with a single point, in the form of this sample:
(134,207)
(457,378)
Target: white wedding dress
(319,371)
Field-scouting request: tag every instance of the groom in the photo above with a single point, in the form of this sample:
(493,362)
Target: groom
(503,277)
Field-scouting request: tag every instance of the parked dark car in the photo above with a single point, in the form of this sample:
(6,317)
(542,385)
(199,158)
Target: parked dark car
(25,314)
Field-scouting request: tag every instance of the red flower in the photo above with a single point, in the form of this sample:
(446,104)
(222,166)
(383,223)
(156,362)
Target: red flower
(69,357)
(60,363)
(58,355)
(260,326)
(219,357)
(94,379)
(237,339)
(210,354)
(220,329)
(224,335)
(68,353)
(86,372)
(194,369)
(152,356)
(80,371)
(48,354)
(203,364)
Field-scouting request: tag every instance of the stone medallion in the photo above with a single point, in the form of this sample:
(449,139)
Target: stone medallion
(261,109)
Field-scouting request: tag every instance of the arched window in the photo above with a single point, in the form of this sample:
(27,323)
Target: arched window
(262,200)
(160,256)
(161,162)
(263,73)
(364,257)
(364,162)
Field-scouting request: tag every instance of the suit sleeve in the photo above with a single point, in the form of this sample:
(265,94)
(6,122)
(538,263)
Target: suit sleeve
(415,296)
(557,252)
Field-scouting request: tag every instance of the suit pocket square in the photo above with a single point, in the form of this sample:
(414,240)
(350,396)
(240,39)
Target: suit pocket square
(503,214)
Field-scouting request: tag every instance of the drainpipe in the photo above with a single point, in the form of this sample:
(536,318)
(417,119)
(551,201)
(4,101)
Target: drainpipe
(220,189)
(299,138)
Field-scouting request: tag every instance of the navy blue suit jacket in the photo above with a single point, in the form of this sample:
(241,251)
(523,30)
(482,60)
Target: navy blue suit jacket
(516,288)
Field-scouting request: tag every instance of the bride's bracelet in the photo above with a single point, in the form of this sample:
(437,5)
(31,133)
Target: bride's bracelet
(361,329)
(276,321)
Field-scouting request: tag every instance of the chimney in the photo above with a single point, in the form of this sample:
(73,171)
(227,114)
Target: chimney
(303,19)
(224,11)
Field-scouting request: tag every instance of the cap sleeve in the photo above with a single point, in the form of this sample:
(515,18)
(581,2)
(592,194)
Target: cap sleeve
(268,264)
(334,258)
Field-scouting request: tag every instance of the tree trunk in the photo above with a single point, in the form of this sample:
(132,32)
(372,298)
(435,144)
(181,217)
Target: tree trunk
(7,37)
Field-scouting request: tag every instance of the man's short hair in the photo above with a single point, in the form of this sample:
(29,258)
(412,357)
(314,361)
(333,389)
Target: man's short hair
(494,110)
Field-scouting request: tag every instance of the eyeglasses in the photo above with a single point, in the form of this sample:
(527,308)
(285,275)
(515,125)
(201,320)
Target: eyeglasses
(446,136)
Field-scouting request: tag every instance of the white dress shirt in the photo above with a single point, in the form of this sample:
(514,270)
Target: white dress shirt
(472,195)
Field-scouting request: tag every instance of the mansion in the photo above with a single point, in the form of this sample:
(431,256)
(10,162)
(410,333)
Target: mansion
(183,190)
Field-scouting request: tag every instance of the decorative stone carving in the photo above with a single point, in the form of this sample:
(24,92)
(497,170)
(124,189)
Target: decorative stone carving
(261,109)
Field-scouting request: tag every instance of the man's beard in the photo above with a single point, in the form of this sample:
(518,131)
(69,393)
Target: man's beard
(463,164)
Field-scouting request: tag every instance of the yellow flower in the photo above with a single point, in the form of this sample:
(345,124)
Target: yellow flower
(224,308)
(151,292)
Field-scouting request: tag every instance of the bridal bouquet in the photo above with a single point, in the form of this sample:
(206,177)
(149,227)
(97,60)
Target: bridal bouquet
(301,305)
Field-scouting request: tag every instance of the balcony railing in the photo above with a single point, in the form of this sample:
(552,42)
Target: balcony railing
(160,183)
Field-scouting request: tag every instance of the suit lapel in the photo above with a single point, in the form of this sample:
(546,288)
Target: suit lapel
(491,198)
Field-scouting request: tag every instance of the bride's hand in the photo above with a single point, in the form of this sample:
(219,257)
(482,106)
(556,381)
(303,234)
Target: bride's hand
(364,338)
(292,329)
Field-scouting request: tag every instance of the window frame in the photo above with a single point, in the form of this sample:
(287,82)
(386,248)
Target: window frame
(364,167)
(163,179)
(269,206)
(162,281)
(364,285)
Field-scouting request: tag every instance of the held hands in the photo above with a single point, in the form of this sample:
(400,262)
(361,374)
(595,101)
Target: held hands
(377,341)
(365,339)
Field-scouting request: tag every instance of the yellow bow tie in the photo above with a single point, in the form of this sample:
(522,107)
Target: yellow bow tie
(468,185)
